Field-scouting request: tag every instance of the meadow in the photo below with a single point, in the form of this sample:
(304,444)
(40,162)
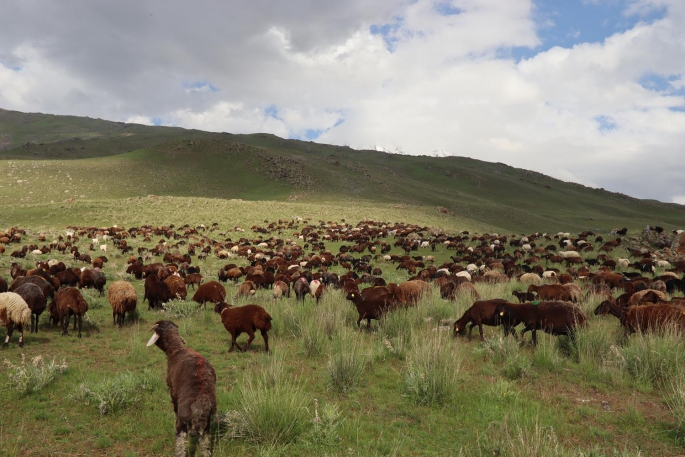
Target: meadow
(407,387)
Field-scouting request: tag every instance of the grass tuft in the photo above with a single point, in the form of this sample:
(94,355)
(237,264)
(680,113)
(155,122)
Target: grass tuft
(27,378)
(117,393)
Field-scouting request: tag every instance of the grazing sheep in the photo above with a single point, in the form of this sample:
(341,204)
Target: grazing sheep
(212,292)
(46,287)
(177,286)
(14,312)
(553,317)
(370,309)
(68,302)
(645,318)
(484,312)
(122,297)
(35,299)
(246,289)
(410,292)
(530,278)
(244,319)
(92,278)
(301,288)
(524,296)
(193,279)
(281,289)
(156,292)
(551,292)
(192,385)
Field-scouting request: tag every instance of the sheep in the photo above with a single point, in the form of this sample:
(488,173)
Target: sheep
(484,312)
(177,286)
(68,301)
(645,296)
(410,292)
(574,290)
(644,318)
(623,263)
(369,309)
(122,297)
(14,312)
(92,278)
(35,299)
(246,289)
(523,296)
(244,319)
(313,285)
(46,287)
(301,288)
(156,292)
(553,317)
(281,289)
(3,285)
(530,278)
(568,254)
(192,385)
(193,279)
(211,291)
(551,292)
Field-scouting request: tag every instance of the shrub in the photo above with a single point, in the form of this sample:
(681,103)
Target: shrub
(325,425)
(432,370)
(180,309)
(506,353)
(654,359)
(27,378)
(116,393)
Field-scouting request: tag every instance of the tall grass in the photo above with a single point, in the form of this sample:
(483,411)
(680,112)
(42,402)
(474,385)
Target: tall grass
(116,393)
(347,362)
(29,377)
(655,359)
(506,354)
(431,374)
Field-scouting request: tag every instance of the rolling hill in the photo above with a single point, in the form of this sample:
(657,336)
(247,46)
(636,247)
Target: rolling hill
(48,159)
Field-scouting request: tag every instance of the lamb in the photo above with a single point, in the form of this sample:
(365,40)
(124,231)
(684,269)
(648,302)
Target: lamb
(193,279)
(551,292)
(244,319)
(370,309)
(192,385)
(211,291)
(553,317)
(68,301)
(524,296)
(35,299)
(484,312)
(14,312)
(122,297)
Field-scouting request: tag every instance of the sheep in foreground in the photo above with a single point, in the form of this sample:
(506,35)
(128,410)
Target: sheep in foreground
(372,308)
(14,312)
(122,297)
(37,301)
(192,385)
(244,319)
(68,302)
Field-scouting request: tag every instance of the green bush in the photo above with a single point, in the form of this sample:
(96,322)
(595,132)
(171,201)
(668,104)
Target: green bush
(432,370)
(347,363)
(113,394)
(27,378)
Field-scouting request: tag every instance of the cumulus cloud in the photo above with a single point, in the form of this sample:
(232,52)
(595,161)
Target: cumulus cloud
(421,77)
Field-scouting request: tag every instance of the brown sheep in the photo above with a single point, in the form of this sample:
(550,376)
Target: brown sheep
(410,292)
(47,288)
(177,286)
(645,296)
(484,313)
(553,317)
(68,302)
(645,318)
(192,385)
(193,279)
(523,296)
(370,309)
(554,292)
(246,289)
(212,292)
(35,299)
(244,319)
(281,289)
(123,298)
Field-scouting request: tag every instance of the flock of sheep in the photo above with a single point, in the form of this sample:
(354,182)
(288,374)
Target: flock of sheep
(276,262)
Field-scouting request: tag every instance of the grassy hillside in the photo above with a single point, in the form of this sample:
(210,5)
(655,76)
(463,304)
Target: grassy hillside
(116,160)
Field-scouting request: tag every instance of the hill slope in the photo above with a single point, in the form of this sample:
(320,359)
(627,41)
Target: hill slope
(118,160)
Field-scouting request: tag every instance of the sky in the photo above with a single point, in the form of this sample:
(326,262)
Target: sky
(589,91)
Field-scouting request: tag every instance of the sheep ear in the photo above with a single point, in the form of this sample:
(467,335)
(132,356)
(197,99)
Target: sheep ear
(153,339)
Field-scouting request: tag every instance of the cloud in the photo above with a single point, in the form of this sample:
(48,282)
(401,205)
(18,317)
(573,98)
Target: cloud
(416,76)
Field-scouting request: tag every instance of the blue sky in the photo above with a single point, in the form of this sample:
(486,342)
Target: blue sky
(590,91)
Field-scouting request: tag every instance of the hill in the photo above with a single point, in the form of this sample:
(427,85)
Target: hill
(82,158)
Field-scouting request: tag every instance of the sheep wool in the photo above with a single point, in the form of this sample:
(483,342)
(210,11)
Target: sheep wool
(14,311)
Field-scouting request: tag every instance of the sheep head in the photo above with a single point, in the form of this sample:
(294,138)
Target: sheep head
(219,307)
(160,329)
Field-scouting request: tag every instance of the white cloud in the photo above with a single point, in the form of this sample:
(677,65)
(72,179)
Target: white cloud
(429,82)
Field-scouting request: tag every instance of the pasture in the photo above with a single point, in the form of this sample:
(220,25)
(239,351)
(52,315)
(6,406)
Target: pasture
(407,387)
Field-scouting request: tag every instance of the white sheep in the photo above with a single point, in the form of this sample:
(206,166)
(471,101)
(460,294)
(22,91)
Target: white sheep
(549,274)
(568,254)
(14,311)
(531,278)
(526,247)
(663,263)
(103,247)
(623,263)
(313,285)
(471,268)
(425,244)
(464,274)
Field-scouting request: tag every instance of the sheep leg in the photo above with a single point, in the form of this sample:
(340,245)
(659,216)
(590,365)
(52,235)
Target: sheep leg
(10,328)
(471,324)
(368,323)
(21,335)
(265,335)
(65,324)
(205,444)
(250,332)
(480,329)
(115,317)
(181,439)
(79,324)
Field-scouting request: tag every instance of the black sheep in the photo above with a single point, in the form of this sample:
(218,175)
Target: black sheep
(37,301)
(192,385)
